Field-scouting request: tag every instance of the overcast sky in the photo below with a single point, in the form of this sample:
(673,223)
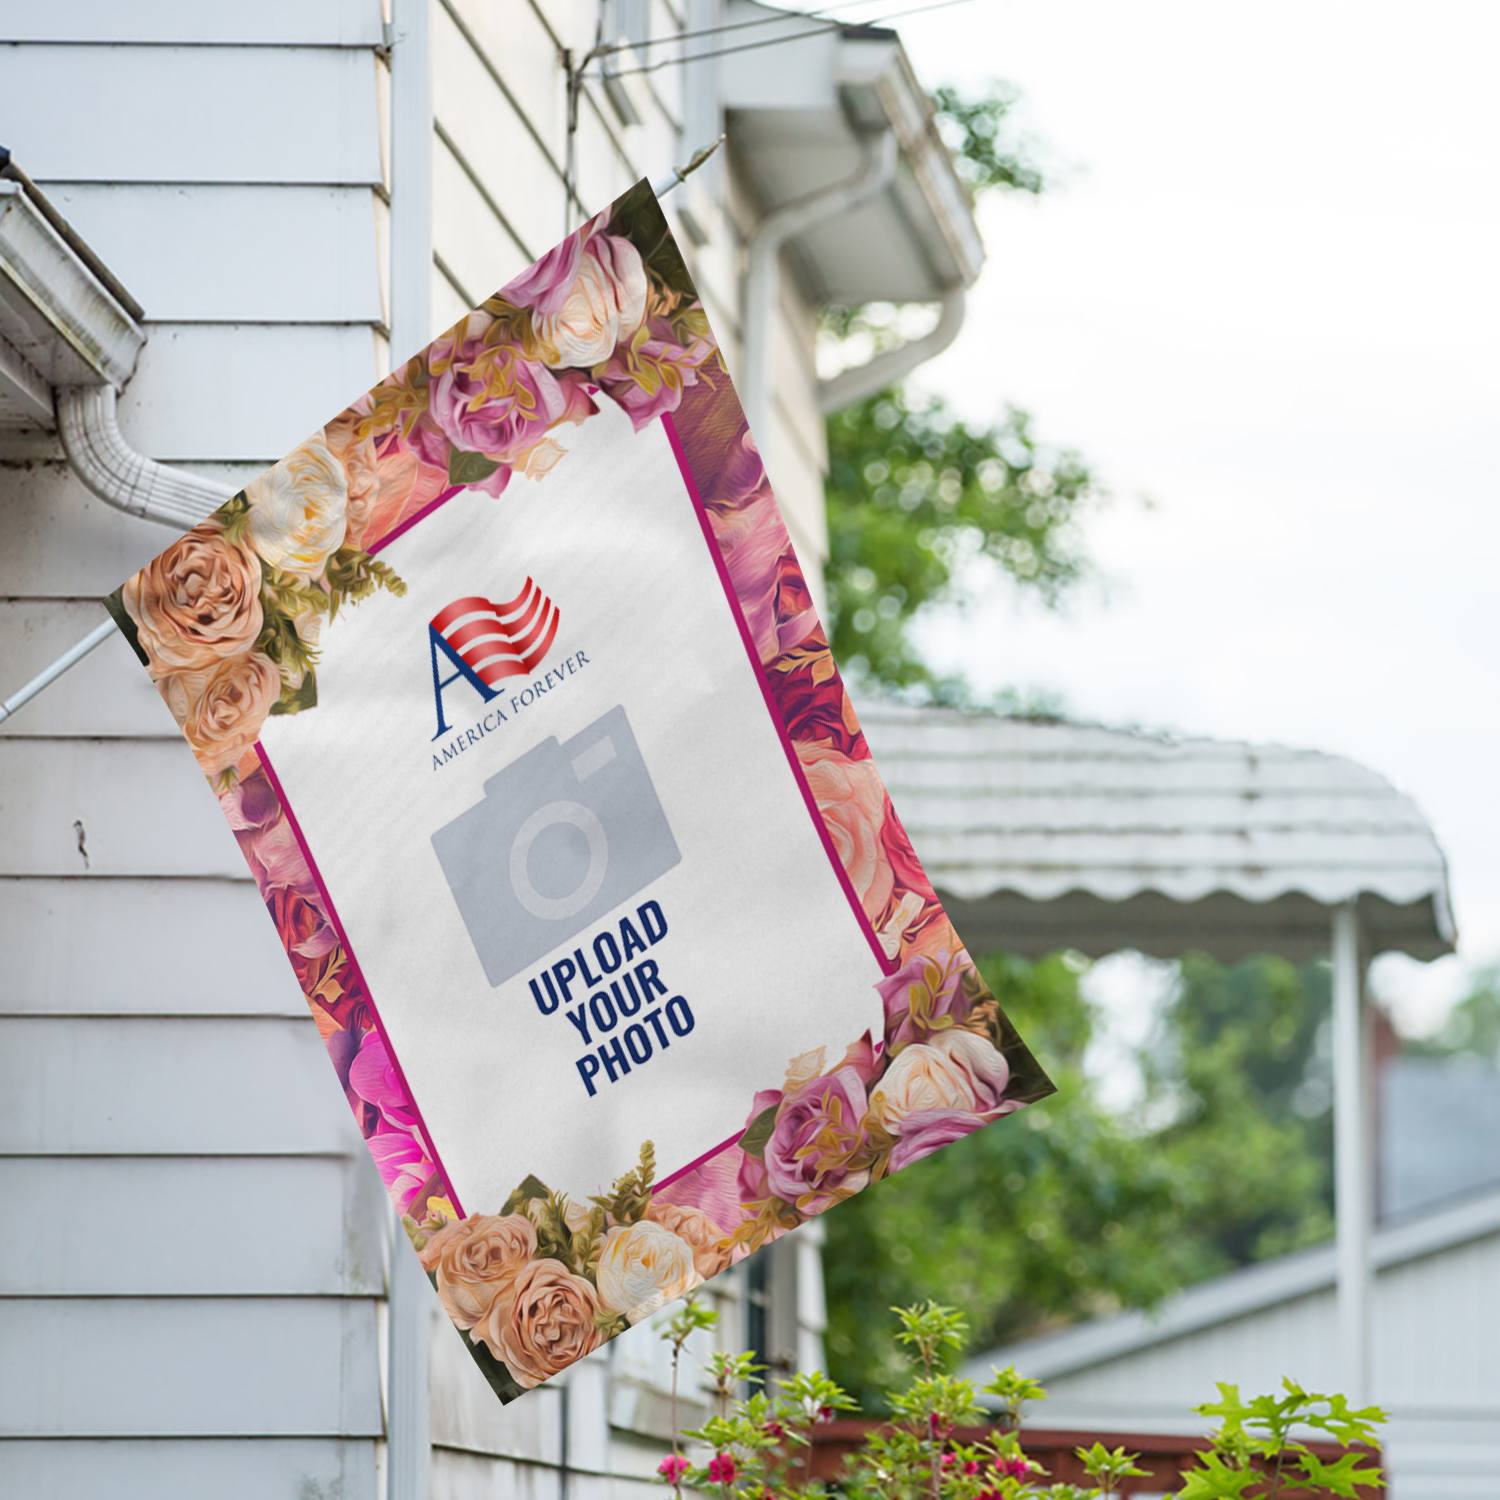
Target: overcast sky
(1264,294)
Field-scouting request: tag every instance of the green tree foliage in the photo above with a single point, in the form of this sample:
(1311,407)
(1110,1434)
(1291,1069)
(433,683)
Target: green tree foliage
(1236,1064)
(1071,1210)
(923,503)
(1472,1027)
(917,497)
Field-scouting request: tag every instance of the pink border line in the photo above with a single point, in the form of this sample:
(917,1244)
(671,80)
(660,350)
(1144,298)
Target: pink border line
(887,965)
(416,516)
(338,926)
(696,1162)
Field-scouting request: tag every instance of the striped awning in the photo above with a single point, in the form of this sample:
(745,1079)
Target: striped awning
(1043,834)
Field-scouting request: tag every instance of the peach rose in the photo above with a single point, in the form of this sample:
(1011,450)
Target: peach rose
(299,509)
(221,710)
(199,601)
(476,1262)
(544,1326)
(955,1072)
(702,1236)
(851,797)
(361,474)
(644,1266)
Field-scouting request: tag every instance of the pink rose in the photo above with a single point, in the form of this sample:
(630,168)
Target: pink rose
(402,1162)
(818,1133)
(487,397)
(673,1467)
(250,804)
(767,579)
(373,1076)
(196,603)
(544,285)
(712,1186)
(647,374)
(276,859)
(925,995)
(928,1133)
(852,800)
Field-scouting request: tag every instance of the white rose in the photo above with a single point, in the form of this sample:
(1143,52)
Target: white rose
(299,510)
(642,1267)
(956,1071)
(605,304)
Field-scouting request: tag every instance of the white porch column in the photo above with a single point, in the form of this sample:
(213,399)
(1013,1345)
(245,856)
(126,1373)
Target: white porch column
(1353,1196)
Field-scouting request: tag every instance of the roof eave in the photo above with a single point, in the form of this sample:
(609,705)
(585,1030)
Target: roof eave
(883,67)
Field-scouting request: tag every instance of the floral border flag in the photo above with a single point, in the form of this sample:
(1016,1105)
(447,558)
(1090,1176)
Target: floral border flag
(514,695)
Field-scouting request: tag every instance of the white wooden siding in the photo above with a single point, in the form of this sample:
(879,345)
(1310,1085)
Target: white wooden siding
(188,1366)
(235,252)
(191,1302)
(224,1468)
(230,169)
(285,23)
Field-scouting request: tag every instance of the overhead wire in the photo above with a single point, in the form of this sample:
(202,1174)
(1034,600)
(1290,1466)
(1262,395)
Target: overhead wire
(818,13)
(777,41)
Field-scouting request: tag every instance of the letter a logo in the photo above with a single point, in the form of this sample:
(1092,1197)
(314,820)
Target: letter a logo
(484,641)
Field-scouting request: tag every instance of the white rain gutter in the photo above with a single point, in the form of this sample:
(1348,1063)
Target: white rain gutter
(885,369)
(81,332)
(763,270)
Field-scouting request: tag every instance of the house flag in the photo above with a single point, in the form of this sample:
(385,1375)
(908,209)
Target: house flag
(512,691)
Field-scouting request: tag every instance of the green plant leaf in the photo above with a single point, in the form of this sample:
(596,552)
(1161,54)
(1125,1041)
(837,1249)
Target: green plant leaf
(469,468)
(758,1132)
(1213,1479)
(1344,1477)
(294,700)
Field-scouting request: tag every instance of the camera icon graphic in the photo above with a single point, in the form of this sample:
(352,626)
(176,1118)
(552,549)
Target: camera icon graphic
(563,835)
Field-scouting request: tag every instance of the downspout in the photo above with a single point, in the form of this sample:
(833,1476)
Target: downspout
(99,454)
(851,386)
(763,267)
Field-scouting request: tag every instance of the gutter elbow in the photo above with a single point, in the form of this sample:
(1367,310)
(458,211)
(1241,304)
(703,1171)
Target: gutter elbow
(862,381)
(876,171)
(110,468)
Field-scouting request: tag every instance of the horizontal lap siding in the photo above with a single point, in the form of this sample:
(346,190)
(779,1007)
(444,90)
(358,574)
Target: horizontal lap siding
(192,1304)
(119,967)
(235,252)
(221,1468)
(194,114)
(267,22)
(229,1221)
(188,1367)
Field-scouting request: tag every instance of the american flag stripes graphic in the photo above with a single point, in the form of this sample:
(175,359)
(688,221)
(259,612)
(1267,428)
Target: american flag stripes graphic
(500,640)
